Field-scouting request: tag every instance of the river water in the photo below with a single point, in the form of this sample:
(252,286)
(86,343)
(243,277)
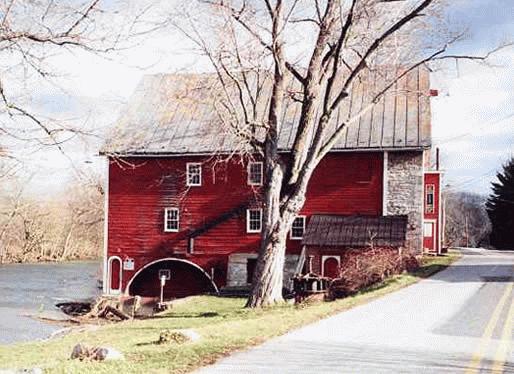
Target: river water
(34,289)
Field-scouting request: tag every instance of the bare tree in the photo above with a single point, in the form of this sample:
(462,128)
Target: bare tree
(33,35)
(269,52)
(30,33)
(56,229)
(467,223)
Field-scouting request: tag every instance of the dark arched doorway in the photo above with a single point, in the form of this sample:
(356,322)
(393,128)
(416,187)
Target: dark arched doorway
(185,279)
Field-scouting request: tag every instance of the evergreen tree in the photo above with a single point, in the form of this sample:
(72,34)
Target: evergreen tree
(500,208)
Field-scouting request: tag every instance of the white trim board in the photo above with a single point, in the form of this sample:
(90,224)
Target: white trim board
(106,227)
(385,181)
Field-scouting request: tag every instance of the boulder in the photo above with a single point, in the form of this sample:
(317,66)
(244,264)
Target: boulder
(170,336)
(81,352)
(177,336)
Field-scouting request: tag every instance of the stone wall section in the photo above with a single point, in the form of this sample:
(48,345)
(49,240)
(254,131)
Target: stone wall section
(236,274)
(404,194)
(289,270)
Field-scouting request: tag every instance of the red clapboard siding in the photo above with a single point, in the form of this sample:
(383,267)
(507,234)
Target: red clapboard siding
(140,189)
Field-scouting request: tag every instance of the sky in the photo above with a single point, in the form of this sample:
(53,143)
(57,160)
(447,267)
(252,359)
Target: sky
(472,118)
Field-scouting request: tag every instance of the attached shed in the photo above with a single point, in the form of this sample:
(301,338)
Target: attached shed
(328,236)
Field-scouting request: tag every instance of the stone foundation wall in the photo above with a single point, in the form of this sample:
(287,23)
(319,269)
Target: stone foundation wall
(236,274)
(404,193)
(289,270)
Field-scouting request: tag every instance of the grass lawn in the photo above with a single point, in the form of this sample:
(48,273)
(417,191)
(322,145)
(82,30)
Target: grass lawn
(223,323)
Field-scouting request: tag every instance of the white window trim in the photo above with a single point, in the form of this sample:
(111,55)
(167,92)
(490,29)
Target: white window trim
(427,193)
(248,169)
(248,230)
(166,229)
(291,231)
(188,165)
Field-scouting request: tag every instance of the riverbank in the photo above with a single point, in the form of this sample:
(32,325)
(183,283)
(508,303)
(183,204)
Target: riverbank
(30,291)
(224,326)
(51,261)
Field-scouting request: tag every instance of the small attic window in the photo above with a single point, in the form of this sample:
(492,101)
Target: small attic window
(255,173)
(298,228)
(193,174)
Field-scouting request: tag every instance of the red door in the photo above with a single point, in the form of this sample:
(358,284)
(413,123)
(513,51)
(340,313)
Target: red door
(331,267)
(115,270)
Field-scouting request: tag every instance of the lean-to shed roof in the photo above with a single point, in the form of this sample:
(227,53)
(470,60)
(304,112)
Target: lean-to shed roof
(355,231)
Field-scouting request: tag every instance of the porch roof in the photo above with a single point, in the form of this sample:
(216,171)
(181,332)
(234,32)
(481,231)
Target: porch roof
(355,231)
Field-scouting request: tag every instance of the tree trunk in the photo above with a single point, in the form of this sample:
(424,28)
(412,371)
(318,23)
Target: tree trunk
(269,275)
(267,283)
(268,280)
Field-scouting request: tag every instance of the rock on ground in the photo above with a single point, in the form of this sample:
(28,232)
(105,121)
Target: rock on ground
(81,352)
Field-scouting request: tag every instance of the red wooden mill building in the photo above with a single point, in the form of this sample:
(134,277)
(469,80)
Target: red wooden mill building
(176,206)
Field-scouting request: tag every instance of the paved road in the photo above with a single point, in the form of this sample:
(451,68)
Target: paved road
(459,321)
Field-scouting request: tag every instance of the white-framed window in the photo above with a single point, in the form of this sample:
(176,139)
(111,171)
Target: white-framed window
(171,219)
(429,198)
(255,173)
(253,220)
(298,228)
(194,174)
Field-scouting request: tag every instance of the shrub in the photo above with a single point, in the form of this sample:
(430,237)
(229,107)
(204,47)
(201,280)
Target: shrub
(169,336)
(364,267)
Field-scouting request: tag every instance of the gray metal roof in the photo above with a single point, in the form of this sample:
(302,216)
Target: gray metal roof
(355,231)
(172,114)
